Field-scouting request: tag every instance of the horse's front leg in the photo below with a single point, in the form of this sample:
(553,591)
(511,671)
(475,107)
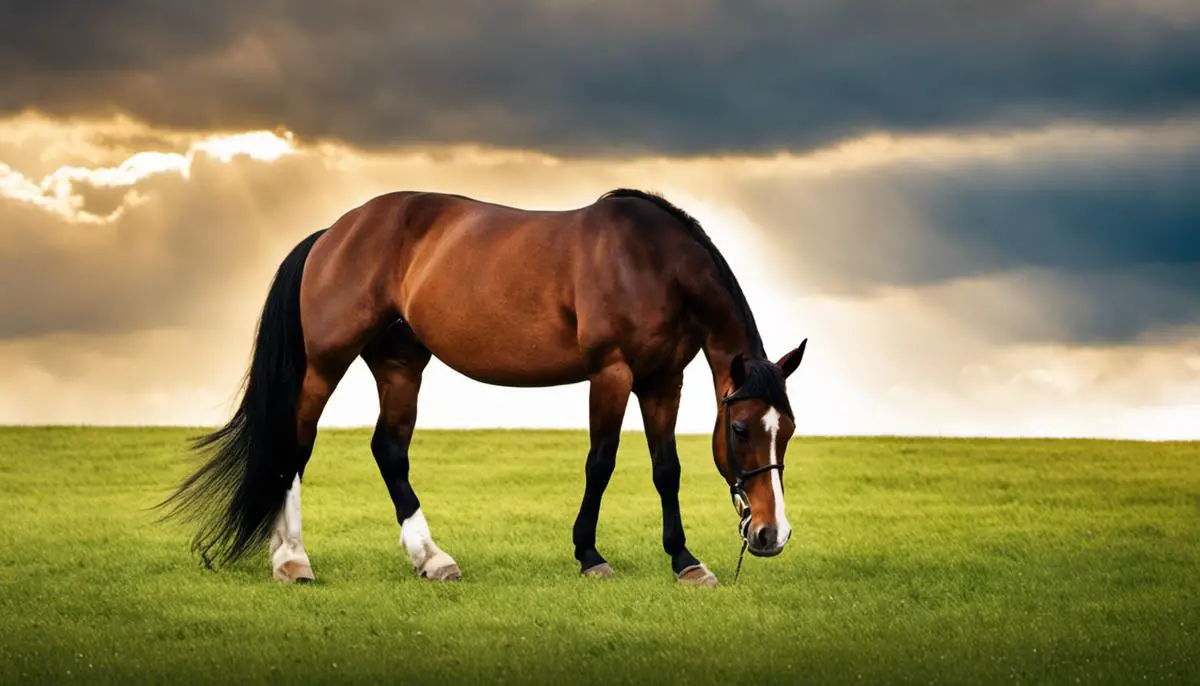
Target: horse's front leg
(609,395)
(660,408)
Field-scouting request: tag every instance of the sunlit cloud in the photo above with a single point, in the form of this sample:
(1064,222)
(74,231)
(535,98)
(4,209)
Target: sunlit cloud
(265,146)
(58,193)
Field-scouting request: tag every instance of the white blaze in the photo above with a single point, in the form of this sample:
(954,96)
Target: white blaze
(771,424)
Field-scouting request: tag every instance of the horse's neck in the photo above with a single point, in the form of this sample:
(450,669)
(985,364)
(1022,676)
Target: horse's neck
(723,330)
(722,344)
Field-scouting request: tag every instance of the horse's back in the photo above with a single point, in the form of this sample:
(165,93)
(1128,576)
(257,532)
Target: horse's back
(511,296)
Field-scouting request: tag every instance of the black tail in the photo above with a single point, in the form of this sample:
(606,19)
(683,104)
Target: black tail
(238,493)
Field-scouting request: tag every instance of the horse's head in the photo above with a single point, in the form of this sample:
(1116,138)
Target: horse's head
(754,425)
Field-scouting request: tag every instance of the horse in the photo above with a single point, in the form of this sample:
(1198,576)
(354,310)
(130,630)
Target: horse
(622,293)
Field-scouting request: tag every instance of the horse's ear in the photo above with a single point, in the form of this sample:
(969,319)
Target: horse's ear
(737,370)
(791,360)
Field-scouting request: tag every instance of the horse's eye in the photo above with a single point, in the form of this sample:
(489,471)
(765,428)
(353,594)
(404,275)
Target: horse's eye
(740,430)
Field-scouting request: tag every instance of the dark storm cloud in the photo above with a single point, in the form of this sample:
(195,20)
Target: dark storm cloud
(1152,303)
(591,78)
(1094,246)
(1073,215)
(1158,301)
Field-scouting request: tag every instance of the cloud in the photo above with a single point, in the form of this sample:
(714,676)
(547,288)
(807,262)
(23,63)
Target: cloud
(917,323)
(617,78)
(1073,235)
(1066,235)
(155,241)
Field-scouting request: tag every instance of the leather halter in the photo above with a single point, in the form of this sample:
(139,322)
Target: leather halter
(737,490)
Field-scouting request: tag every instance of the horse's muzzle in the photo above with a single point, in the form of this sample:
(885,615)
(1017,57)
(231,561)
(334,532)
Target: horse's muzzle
(765,541)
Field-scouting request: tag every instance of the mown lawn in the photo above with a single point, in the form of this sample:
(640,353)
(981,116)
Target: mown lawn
(947,561)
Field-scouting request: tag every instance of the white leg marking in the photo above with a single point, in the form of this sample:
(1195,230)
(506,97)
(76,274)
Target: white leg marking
(287,540)
(771,424)
(426,556)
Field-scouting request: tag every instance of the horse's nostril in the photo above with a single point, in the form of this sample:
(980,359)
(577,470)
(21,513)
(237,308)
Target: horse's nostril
(766,537)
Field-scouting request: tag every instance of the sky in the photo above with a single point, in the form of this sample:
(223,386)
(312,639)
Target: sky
(983,216)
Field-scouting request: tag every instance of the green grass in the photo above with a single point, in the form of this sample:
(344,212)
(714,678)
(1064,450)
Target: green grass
(948,561)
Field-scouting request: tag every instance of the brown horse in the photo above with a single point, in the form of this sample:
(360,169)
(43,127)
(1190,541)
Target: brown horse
(622,293)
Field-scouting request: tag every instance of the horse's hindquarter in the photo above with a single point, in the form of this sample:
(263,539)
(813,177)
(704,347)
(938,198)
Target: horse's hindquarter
(490,292)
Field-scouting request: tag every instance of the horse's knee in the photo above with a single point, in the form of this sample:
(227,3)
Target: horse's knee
(666,474)
(388,448)
(602,458)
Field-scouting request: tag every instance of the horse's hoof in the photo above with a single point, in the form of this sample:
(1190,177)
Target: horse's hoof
(450,572)
(441,567)
(600,571)
(697,575)
(293,572)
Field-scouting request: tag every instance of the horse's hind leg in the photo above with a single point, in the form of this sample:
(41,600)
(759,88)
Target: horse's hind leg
(397,360)
(288,556)
(289,560)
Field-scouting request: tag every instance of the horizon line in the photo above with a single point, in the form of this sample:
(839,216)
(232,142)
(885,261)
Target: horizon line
(637,432)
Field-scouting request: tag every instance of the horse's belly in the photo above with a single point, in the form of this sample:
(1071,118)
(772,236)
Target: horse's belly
(494,303)
(492,348)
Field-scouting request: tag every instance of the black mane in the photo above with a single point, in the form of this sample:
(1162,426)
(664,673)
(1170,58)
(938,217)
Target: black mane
(697,232)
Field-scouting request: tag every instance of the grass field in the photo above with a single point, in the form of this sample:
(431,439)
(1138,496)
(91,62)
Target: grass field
(931,561)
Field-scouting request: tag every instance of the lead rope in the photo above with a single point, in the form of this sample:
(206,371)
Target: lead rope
(741,556)
(743,530)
